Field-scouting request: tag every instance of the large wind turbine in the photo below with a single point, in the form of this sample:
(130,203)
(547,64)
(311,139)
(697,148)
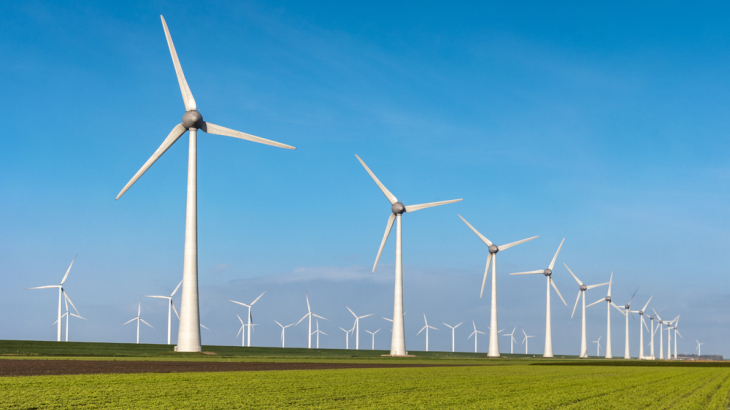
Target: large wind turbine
(398,340)
(699,349)
(249,306)
(641,331)
(548,322)
(357,327)
(189,331)
(669,338)
(676,332)
(170,306)
(283,331)
(525,340)
(493,249)
(453,328)
(138,319)
(582,291)
(426,329)
(347,338)
(627,311)
(318,332)
(309,315)
(68,313)
(373,334)
(608,320)
(60,295)
(475,333)
(241,331)
(653,330)
(511,340)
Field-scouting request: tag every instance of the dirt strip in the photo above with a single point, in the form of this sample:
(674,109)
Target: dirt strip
(62,367)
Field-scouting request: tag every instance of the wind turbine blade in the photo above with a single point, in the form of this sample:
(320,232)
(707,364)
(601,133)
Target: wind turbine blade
(257,299)
(574,277)
(353,313)
(598,301)
(239,319)
(156,297)
(129,321)
(414,208)
(239,331)
(576,304)
(363,317)
(422,329)
(174,310)
(278,323)
(552,282)
(389,320)
(324,333)
(632,297)
(211,128)
(300,320)
(482,237)
(486,272)
(596,286)
(203,326)
(610,283)
(139,308)
(74,315)
(69,301)
(509,245)
(320,317)
(178,287)
(142,320)
(309,308)
(68,270)
(391,198)
(532,272)
(552,263)
(166,144)
(431,327)
(238,303)
(472,334)
(645,326)
(44,287)
(388,228)
(647,304)
(618,308)
(187,96)
(680,335)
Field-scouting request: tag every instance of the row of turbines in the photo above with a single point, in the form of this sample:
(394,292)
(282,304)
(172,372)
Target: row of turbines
(189,339)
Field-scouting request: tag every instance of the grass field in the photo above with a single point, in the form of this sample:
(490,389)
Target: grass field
(520,383)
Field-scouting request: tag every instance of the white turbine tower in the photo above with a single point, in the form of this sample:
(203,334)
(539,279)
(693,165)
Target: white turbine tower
(493,249)
(669,338)
(641,330)
(373,334)
(676,332)
(582,291)
(525,340)
(398,340)
(475,333)
(241,331)
(511,340)
(426,329)
(60,295)
(170,307)
(699,349)
(453,328)
(627,311)
(318,332)
(357,327)
(548,321)
(607,299)
(138,319)
(598,346)
(283,331)
(68,313)
(189,331)
(249,306)
(347,338)
(661,334)
(309,315)
(653,331)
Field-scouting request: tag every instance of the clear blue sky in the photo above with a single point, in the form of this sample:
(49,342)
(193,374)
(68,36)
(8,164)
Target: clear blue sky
(606,125)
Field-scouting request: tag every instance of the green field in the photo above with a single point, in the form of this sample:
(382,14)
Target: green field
(520,383)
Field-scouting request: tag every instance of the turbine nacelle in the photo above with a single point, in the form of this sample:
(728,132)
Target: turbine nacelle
(583,288)
(493,249)
(608,299)
(547,272)
(192,119)
(398,208)
(627,307)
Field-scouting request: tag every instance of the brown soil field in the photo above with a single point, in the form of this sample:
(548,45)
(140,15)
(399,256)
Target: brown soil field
(63,367)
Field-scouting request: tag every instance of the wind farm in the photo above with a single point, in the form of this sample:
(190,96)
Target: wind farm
(604,138)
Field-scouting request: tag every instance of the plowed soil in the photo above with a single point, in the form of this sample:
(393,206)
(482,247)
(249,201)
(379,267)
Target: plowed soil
(61,367)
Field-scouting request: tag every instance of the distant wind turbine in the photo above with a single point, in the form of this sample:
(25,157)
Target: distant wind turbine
(68,313)
(347,338)
(398,340)
(309,315)
(426,329)
(318,332)
(453,328)
(627,311)
(357,327)
(582,291)
(676,332)
(526,339)
(138,319)
(641,330)
(548,352)
(608,301)
(60,295)
(699,349)
(170,307)
(373,334)
(475,333)
(189,330)
(598,346)
(511,340)
(249,306)
(493,249)
(283,331)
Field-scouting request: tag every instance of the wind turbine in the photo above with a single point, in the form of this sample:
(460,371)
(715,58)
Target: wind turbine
(661,337)
(676,332)
(170,306)
(582,291)
(138,319)
(699,349)
(241,331)
(318,333)
(653,330)
(283,330)
(548,322)
(426,328)
(608,320)
(641,331)
(398,340)
(669,338)
(249,313)
(357,327)
(68,313)
(60,293)
(453,328)
(373,334)
(309,315)
(347,338)
(493,249)
(475,333)
(189,331)
(525,340)
(598,346)
(511,340)
(627,311)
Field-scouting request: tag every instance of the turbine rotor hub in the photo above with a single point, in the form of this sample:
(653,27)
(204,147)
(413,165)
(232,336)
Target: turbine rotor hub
(608,298)
(398,208)
(493,249)
(583,288)
(627,307)
(192,119)
(548,272)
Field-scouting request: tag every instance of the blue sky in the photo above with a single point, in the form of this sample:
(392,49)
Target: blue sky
(606,125)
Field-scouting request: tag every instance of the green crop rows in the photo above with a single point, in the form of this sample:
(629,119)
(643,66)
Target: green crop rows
(515,386)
